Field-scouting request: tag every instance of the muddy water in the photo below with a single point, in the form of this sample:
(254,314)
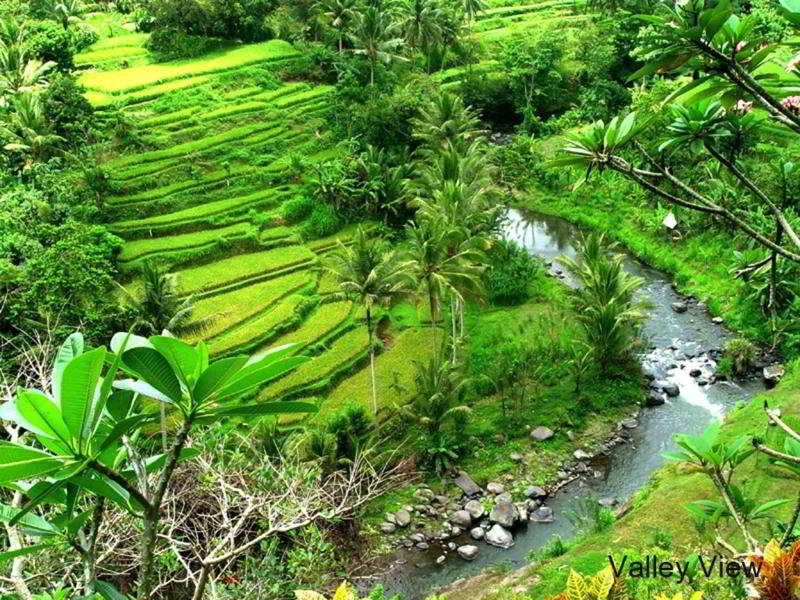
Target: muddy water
(678,344)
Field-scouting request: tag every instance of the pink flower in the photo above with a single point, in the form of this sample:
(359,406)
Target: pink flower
(743,107)
(792,103)
(792,64)
(740,45)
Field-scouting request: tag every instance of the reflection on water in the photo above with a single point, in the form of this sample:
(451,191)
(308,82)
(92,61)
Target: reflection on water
(679,344)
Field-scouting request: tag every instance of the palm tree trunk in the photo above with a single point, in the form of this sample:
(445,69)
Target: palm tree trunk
(433,317)
(372,364)
(453,303)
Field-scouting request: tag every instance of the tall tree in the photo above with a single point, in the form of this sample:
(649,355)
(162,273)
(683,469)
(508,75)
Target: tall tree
(369,273)
(341,14)
(446,120)
(377,37)
(442,267)
(420,25)
(28,131)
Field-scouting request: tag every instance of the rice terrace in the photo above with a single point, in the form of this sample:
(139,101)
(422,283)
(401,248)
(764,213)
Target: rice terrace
(399,299)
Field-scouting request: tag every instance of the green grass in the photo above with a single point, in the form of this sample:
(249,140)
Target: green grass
(326,319)
(256,330)
(391,370)
(670,489)
(244,303)
(139,248)
(125,80)
(347,349)
(201,211)
(244,266)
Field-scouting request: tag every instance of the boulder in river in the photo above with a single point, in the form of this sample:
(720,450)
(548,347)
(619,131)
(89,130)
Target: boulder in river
(440,559)
(387,527)
(654,398)
(671,390)
(504,497)
(468,552)
(773,373)
(504,513)
(461,518)
(476,533)
(580,454)
(630,423)
(475,509)
(500,537)
(541,433)
(534,491)
(607,502)
(543,514)
(679,307)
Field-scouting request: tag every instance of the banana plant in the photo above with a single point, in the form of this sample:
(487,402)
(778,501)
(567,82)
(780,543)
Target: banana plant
(82,431)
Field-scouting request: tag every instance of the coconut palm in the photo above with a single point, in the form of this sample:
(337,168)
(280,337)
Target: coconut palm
(161,308)
(439,390)
(472,8)
(18,73)
(28,131)
(368,273)
(340,13)
(446,120)
(420,24)
(377,37)
(441,266)
(67,11)
(604,301)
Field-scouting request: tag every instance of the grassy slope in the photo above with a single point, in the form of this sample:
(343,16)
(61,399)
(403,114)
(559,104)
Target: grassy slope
(669,490)
(202,193)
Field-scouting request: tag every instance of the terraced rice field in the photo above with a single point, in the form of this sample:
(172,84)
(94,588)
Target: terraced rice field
(198,181)
(200,190)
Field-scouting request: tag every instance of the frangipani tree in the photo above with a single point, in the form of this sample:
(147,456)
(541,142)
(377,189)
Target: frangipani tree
(81,432)
(727,59)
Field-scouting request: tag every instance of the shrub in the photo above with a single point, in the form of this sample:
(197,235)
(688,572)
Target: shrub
(170,42)
(510,273)
(48,41)
(297,208)
(322,222)
(742,354)
(68,111)
(83,36)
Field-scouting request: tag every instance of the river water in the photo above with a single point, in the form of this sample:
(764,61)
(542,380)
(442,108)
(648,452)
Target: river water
(678,343)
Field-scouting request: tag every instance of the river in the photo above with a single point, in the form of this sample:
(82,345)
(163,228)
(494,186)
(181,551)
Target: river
(677,343)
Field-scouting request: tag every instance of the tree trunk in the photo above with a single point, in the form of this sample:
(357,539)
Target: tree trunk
(18,566)
(773,271)
(372,364)
(453,303)
(433,317)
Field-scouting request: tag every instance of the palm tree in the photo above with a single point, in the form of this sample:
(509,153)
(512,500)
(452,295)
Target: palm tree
(341,14)
(441,266)
(420,25)
(17,72)
(376,36)
(472,8)
(604,301)
(28,130)
(446,119)
(161,308)
(368,273)
(68,11)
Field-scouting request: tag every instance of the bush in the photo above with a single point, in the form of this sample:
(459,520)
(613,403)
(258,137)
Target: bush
(229,19)
(297,208)
(48,41)
(323,221)
(510,273)
(170,43)
(742,354)
(68,111)
(83,36)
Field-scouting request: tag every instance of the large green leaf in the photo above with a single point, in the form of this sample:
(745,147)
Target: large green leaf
(108,591)
(183,357)
(142,388)
(39,410)
(259,374)
(153,368)
(102,486)
(154,463)
(10,412)
(72,347)
(29,521)
(215,376)
(11,554)
(79,388)
(124,427)
(127,341)
(22,462)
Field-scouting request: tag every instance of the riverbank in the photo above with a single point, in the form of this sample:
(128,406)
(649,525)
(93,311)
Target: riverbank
(700,259)
(657,522)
